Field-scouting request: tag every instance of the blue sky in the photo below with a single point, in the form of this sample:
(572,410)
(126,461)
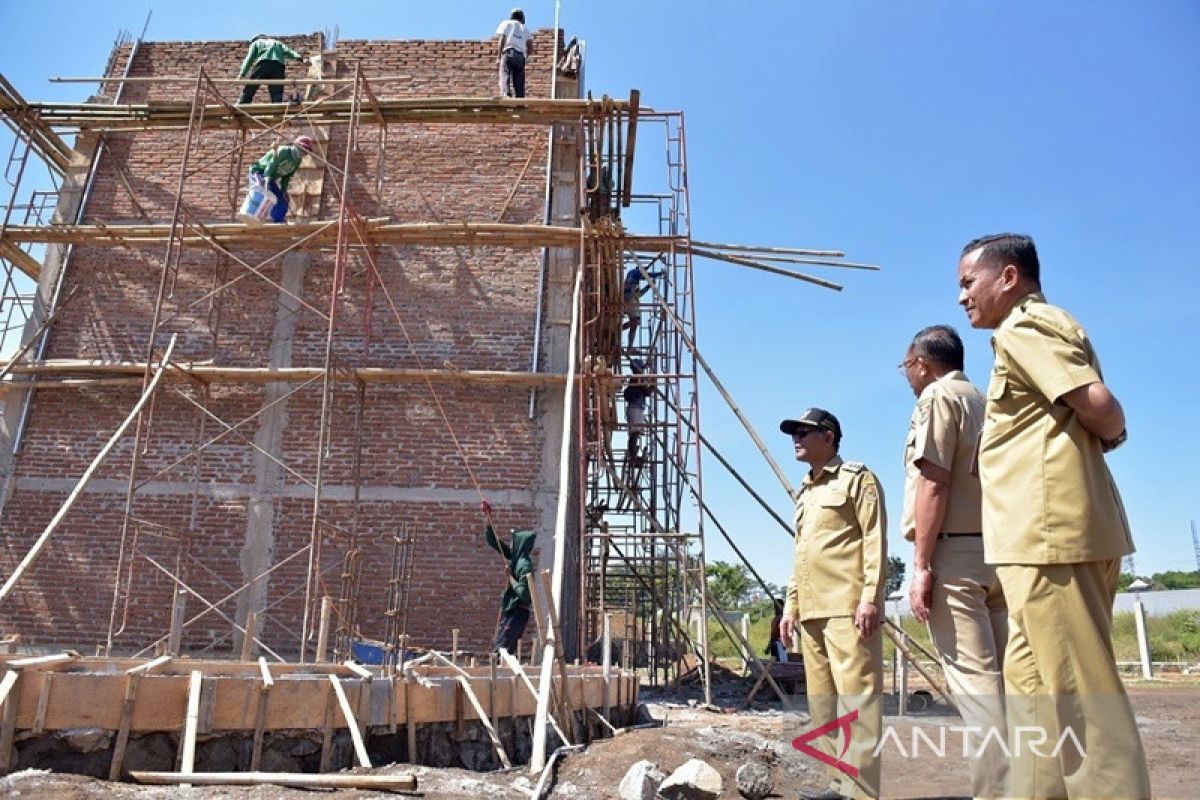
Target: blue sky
(892,131)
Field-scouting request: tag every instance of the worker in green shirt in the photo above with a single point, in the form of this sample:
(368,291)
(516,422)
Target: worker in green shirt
(276,169)
(515,602)
(265,61)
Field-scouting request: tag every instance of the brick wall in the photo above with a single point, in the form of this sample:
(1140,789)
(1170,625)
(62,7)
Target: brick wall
(474,308)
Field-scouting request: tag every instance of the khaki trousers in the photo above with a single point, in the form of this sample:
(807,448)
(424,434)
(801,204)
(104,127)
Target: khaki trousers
(845,673)
(1062,686)
(968,622)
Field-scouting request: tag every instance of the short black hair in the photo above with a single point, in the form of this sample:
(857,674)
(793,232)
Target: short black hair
(939,344)
(518,15)
(999,249)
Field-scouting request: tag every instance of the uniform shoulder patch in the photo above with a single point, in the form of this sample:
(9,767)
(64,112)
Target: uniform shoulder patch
(855,466)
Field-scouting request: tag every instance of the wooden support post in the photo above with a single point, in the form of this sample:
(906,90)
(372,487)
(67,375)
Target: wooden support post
(410,725)
(118,756)
(454,645)
(39,718)
(917,666)
(564,700)
(178,612)
(606,666)
(391,703)
(483,719)
(460,726)
(260,713)
(327,731)
(492,691)
(10,696)
(1139,619)
(190,723)
(515,667)
(323,629)
(248,636)
(360,749)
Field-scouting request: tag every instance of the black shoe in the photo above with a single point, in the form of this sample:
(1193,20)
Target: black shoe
(825,794)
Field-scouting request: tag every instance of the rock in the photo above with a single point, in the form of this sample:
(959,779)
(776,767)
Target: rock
(154,752)
(85,740)
(641,781)
(695,780)
(754,780)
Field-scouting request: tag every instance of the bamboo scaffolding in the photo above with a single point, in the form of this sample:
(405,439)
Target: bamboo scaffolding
(214,374)
(173,114)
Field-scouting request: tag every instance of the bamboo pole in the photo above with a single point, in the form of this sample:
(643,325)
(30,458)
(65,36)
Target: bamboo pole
(752,248)
(745,262)
(323,629)
(916,664)
(487,724)
(72,498)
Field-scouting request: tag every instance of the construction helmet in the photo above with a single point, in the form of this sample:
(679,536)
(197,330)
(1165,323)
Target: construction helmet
(306,143)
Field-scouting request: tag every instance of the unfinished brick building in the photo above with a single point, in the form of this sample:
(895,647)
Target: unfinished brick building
(344,390)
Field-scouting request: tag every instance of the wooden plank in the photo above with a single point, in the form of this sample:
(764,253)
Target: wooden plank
(39,717)
(360,748)
(395,782)
(191,722)
(149,666)
(42,661)
(21,260)
(262,697)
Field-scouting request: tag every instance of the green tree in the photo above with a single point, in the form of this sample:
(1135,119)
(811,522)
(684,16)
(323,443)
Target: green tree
(1177,579)
(895,575)
(729,584)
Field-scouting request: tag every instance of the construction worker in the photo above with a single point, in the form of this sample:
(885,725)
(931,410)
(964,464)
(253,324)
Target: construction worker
(953,591)
(1054,526)
(515,45)
(636,393)
(265,60)
(276,169)
(515,602)
(632,291)
(835,597)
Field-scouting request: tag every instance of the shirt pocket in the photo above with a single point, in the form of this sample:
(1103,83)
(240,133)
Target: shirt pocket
(829,513)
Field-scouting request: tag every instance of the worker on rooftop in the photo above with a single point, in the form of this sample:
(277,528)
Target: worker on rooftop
(265,60)
(515,44)
(515,602)
(276,169)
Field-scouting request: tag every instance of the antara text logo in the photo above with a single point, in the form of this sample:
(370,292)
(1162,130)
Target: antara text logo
(973,741)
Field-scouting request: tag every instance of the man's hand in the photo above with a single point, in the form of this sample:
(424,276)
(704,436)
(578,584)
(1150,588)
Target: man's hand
(919,593)
(486,507)
(787,631)
(866,619)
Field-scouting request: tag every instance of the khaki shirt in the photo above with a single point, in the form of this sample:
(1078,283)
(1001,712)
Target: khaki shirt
(944,431)
(841,543)
(1048,497)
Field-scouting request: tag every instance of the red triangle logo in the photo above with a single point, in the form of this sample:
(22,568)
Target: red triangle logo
(842,723)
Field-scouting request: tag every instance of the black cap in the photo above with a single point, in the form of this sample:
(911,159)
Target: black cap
(813,418)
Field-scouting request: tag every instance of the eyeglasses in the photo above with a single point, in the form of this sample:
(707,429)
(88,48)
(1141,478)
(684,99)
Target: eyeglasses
(908,362)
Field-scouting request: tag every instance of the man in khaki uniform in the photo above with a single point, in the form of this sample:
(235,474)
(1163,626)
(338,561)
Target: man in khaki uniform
(952,589)
(836,595)
(1054,526)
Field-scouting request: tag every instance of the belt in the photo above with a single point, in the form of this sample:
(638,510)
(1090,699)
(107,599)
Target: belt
(956,535)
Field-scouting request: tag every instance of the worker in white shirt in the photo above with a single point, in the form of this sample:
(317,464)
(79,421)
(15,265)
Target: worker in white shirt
(515,44)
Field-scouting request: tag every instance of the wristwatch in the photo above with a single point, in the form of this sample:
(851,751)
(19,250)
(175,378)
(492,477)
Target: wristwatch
(1108,445)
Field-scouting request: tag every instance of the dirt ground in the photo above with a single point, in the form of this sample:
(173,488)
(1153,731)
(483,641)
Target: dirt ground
(1168,715)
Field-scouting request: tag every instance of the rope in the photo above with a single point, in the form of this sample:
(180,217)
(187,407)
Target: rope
(355,222)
